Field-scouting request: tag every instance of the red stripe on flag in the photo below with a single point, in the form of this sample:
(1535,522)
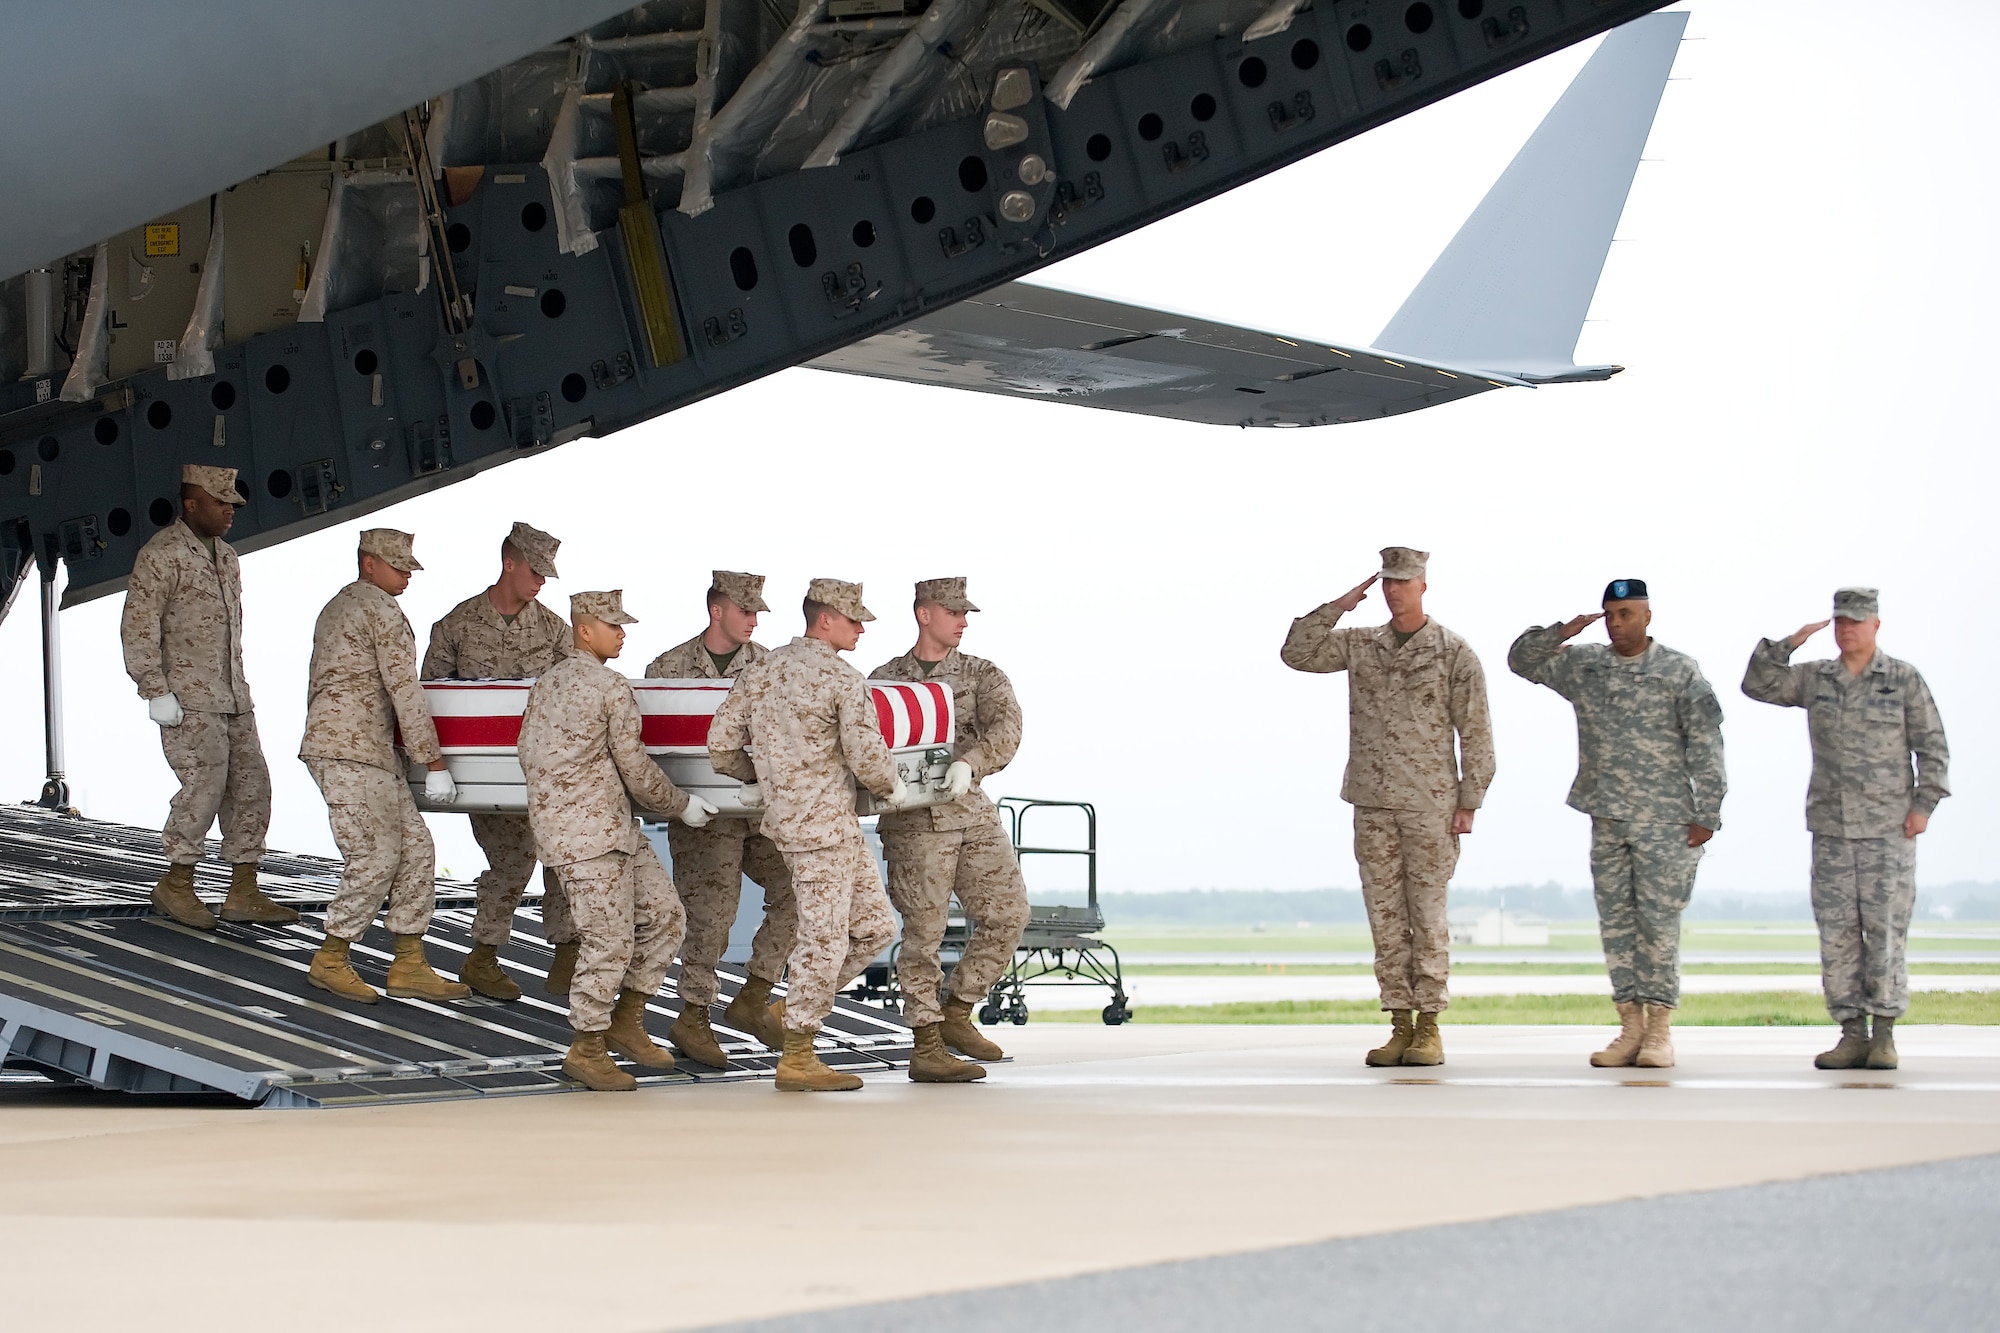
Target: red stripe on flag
(943,736)
(885,716)
(656,729)
(491,732)
(913,704)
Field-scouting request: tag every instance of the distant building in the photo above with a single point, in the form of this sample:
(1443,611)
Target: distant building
(1493,927)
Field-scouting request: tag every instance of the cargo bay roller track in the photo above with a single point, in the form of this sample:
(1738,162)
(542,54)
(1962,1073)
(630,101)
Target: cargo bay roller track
(679,200)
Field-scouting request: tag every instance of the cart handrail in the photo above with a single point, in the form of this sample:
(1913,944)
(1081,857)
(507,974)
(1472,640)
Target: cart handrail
(1016,808)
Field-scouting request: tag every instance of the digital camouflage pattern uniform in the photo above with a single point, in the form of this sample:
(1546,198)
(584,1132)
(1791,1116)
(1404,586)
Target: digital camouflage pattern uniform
(1864,731)
(1405,780)
(958,848)
(182,630)
(475,642)
(587,773)
(710,862)
(1649,763)
(814,728)
(363,687)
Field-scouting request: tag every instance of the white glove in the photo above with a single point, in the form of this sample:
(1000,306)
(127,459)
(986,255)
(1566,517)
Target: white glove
(698,812)
(958,779)
(165,710)
(439,789)
(900,799)
(750,796)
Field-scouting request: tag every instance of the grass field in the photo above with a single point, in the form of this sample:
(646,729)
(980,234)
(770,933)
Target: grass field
(1729,936)
(1757,1009)
(1475,969)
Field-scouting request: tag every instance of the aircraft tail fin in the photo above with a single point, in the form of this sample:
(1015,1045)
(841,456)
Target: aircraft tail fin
(1510,292)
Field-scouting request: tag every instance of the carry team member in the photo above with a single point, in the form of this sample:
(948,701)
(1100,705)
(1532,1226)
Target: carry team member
(813,725)
(183,635)
(503,633)
(955,849)
(1650,776)
(1869,715)
(588,774)
(710,862)
(363,688)
(1412,686)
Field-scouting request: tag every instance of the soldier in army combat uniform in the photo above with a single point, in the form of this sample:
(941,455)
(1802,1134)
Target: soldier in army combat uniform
(1868,714)
(182,631)
(710,862)
(1650,776)
(503,633)
(1412,686)
(955,849)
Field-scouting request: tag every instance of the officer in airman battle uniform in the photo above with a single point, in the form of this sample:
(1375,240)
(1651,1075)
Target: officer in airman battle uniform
(1868,715)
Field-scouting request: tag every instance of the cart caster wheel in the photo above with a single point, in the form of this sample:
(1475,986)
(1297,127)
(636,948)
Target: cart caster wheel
(1020,1015)
(1114,1014)
(989,1013)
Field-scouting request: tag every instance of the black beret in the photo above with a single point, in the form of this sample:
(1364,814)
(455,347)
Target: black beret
(1625,590)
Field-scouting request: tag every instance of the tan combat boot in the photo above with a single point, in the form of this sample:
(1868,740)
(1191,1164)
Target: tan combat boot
(1426,1043)
(481,970)
(1624,1047)
(1851,1051)
(627,1034)
(331,971)
(588,1064)
(694,1036)
(562,969)
(1882,1046)
(247,903)
(930,1062)
(961,1035)
(751,1012)
(1656,1048)
(1402,1026)
(174,896)
(800,1069)
(411,977)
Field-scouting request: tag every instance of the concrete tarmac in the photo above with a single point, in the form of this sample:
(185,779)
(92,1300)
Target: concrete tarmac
(1096,1149)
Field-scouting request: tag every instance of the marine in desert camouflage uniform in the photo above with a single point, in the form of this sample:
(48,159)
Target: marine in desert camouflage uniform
(588,774)
(1868,715)
(1413,686)
(710,862)
(813,726)
(503,633)
(1650,776)
(182,631)
(363,689)
(957,848)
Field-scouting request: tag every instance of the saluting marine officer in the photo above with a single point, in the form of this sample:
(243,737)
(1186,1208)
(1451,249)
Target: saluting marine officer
(1650,776)
(958,848)
(363,688)
(711,861)
(503,633)
(588,773)
(809,717)
(182,631)
(1868,714)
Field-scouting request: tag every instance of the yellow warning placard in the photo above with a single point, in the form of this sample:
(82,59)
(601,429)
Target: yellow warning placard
(163,239)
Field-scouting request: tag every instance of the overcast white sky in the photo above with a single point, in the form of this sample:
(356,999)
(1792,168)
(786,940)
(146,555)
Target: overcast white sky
(1803,294)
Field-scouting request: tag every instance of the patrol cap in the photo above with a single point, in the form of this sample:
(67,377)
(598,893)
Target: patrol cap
(219,482)
(746,590)
(1404,562)
(947,593)
(536,547)
(1857,603)
(391,547)
(608,607)
(1625,590)
(841,596)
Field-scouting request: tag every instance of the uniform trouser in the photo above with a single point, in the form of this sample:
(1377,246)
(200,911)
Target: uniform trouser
(1643,874)
(1406,859)
(844,922)
(709,866)
(628,921)
(1863,890)
(386,847)
(221,766)
(510,862)
(926,868)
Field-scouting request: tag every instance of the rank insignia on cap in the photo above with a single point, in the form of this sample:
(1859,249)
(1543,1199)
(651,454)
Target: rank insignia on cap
(1623,590)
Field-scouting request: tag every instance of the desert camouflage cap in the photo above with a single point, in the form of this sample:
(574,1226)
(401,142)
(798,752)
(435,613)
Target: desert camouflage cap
(746,590)
(537,546)
(841,596)
(608,607)
(393,547)
(1404,562)
(219,482)
(1857,603)
(947,593)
